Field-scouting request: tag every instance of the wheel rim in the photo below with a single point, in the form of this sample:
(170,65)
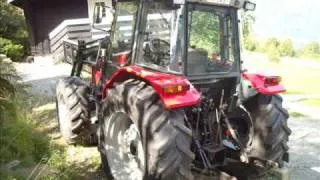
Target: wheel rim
(124,148)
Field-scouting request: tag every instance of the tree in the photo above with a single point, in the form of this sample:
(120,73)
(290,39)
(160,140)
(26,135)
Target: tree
(12,23)
(248,20)
(205,31)
(311,50)
(13,33)
(286,48)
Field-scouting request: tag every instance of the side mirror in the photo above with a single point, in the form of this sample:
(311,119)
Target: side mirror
(100,12)
(97,15)
(249,6)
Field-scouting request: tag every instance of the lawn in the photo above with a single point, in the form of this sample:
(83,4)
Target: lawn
(312,102)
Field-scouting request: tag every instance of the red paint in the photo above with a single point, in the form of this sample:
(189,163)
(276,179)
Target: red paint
(158,81)
(264,84)
(96,73)
(228,133)
(122,59)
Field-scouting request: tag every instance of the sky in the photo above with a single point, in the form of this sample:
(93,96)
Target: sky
(298,20)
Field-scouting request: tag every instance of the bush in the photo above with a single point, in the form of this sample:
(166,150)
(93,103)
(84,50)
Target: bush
(11,49)
(13,32)
(12,23)
(273,54)
(311,50)
(250,44)
(19,137)
(286,48)
(19,140)
(14,51)
(272,43)
(276,49)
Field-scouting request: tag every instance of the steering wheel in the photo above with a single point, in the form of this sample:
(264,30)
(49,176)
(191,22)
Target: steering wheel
(159,46)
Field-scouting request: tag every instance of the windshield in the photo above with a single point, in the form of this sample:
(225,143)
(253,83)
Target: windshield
(210,35)
(156,38)
(203,44)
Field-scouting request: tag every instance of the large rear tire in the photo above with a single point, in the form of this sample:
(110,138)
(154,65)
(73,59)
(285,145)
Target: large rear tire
(270,137)
(271,131)
(161,140)
(73,108)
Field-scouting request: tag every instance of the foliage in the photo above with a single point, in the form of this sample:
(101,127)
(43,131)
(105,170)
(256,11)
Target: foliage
(8,79)
(18,138)
(247,22)
(274,48)
(286,48)
(12,50)
(311,50)
(205,25)
(271,47)
(13,33)
(250,44)
(12,23)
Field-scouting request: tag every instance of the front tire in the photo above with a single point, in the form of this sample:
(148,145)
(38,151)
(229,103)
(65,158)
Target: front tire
(162,141)
(73,109)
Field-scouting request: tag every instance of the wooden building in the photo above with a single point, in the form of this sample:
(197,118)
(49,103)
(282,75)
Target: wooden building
(51,21)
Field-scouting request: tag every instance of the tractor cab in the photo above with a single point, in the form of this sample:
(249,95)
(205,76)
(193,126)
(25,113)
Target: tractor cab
(193,38)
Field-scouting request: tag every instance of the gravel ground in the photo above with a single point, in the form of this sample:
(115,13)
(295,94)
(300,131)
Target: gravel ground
(43,74)
(304,149)
(304,142)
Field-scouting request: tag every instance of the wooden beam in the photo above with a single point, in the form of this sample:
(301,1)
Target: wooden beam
(30,16)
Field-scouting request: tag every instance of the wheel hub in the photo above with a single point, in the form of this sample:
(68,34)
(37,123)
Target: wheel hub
(131,138)
(125,153)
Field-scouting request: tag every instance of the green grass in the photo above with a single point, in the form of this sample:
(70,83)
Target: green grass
(312,102)
(300,80)
(296,114)
(33,139)
(19,137)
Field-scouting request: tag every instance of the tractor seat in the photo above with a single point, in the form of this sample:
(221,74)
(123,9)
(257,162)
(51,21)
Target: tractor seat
(197,61)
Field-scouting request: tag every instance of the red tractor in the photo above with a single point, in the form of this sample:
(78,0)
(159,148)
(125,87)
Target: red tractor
(168,94)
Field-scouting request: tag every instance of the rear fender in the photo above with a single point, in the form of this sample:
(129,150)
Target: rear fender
(253,84)
(158,81)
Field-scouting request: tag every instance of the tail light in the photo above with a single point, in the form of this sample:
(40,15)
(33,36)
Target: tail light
(272,81)
(174,89)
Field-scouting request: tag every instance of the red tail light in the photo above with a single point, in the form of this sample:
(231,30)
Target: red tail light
(122,59)
(272,81)
(174,89)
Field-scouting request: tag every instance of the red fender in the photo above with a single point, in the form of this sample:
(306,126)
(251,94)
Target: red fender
(264,84)
(159,81)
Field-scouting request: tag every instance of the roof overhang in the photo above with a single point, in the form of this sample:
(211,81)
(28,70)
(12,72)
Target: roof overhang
(18,3)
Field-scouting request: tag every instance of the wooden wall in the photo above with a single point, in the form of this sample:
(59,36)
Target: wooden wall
(43,16)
